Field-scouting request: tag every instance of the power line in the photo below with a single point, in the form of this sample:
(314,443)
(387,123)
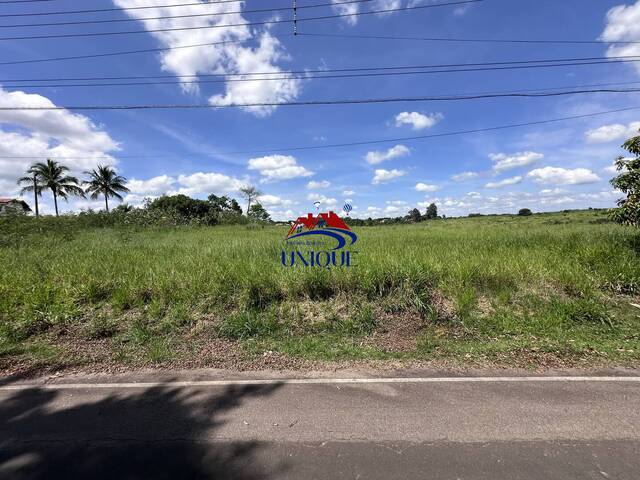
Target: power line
(192,15)
(246,24)
(280,36)
(128,52)
(562,61)
(466,40)
(323,102)
(25,1)
(307,77)
(117,9)
(371,142)
(319,74)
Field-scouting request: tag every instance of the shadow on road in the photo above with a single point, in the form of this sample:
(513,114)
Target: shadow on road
(158,433)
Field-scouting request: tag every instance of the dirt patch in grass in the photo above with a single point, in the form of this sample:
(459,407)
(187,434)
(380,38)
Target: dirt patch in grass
(396,333)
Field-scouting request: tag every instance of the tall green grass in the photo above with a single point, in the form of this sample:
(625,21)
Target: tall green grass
(491,284)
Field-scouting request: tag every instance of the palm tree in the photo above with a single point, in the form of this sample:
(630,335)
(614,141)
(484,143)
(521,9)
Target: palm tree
(31,184)
(52,176)
(105,181)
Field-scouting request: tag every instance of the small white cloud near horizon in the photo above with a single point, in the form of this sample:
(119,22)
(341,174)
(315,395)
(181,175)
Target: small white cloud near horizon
(611,132)
(274,168)
(418,121)
(375,157)
(563,176)
(383,176)
(324,200)
(464,176)
(424,187)
(503,161)
(313,185)
(504,183)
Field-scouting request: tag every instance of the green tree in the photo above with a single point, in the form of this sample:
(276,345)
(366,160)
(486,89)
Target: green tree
(249,193)
(105,181)
(432,212)
(52,176)
(414,215)
(524,212)
(31,184)
(628,182)
(258,213)
(224,204)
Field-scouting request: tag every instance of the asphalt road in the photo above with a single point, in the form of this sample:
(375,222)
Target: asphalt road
(451,429)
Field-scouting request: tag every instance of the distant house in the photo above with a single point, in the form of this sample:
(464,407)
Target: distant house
(13,205)
(323,220)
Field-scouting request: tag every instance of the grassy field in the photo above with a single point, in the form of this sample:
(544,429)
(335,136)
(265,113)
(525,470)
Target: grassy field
(552,289)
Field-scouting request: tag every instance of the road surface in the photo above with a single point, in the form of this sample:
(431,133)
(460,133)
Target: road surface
(386,428)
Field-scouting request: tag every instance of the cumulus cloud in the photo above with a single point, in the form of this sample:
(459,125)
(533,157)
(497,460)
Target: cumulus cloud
(75,139)
(464,176)
(341,8)
(199,183)
(375,157)
(241,53)
(615,131)
(274,201)
(383,176)
(503,161)
(348,193)
(504,183)
(312,185)
(424,187)
(563,176)
(418,121)
(324,201)
(152,187)
(278,167)
(623,25)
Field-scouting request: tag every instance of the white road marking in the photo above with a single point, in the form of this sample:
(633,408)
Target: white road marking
(311,381)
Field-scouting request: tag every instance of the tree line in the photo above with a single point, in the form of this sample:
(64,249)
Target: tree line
(104,181)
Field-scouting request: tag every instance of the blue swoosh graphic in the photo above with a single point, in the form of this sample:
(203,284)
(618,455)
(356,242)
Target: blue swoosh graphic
(341,241)
(349,233)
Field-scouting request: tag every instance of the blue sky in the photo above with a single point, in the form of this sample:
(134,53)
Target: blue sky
(546,167)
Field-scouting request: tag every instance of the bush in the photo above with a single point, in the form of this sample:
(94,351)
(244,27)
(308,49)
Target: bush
(524,212)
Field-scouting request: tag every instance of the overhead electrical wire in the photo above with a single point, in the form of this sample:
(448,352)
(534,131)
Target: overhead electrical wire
(321,102)
(191,15)
(117,9)
(369,142)
(291,76)
(246,24)
(468,40)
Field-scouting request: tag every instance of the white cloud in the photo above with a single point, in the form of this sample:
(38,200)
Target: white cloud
(312,185)
(199,183)
(464,176)
(73,138)
(503,161)
(504,183)
(418,121)
(244,52)
(423,187)
(324,201)
(152,187)
(278,167)
(547,192)
(563,176)
(346,9)
(615,131)
(382,176)
(273,201)
(375,157)
(348,193)
(623,25)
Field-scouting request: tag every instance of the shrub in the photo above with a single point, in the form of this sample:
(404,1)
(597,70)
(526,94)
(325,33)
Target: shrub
(524,212)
